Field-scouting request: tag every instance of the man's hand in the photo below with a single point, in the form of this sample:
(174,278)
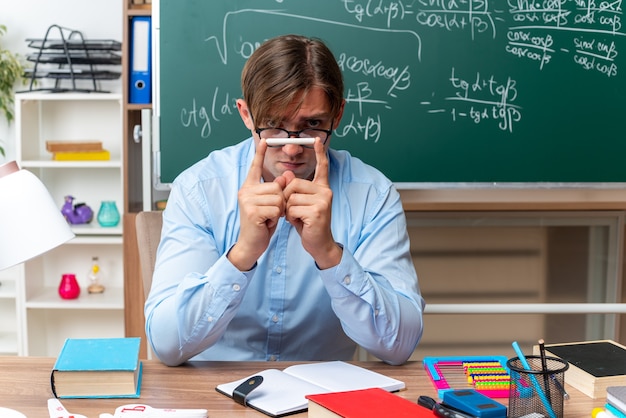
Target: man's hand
(308,209)
(260,206)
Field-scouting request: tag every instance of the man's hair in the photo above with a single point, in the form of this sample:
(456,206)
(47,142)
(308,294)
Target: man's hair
(284,69)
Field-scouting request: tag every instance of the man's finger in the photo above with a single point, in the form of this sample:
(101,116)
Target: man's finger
(256,169)
(321,168)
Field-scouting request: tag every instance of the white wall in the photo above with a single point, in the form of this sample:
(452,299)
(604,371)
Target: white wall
(96,19)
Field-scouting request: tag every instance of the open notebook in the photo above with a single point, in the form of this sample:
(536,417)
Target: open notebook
(283,392)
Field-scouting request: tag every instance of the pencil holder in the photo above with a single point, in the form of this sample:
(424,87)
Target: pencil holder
(537,391)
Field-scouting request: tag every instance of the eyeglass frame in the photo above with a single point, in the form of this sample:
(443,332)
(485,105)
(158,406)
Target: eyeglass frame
(328,133)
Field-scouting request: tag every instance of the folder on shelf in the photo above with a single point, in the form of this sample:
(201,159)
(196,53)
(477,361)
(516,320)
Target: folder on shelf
(140,77)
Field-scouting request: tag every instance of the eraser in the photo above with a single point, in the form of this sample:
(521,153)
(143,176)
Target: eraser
(275,142)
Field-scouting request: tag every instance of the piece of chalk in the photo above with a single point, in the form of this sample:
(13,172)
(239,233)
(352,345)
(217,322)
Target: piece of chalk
(279,142)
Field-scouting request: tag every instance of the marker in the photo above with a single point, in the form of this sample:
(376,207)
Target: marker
(279,142)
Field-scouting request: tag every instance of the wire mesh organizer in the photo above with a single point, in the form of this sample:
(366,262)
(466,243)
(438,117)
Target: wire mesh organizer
(538,390)
(65,56)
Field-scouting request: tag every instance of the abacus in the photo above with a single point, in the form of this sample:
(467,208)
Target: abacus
(487,375)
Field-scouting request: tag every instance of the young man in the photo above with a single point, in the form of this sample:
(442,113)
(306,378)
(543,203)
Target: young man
(288,252)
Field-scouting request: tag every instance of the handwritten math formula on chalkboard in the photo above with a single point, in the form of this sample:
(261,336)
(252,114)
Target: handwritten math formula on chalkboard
(436,91)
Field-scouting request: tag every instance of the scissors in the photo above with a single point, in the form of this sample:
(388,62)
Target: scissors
(145,411)
(57,410)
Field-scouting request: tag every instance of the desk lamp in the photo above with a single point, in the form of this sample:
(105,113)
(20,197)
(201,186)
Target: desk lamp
(30,222)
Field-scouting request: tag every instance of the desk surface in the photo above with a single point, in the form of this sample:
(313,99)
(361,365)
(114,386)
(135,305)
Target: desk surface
(25,386)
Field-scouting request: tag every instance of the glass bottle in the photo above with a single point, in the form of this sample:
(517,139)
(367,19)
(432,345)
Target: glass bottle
(94,277)
(108,215)
(69,288)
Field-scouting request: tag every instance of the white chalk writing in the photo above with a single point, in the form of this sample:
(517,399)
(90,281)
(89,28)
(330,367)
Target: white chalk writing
(482,99)
(580,35)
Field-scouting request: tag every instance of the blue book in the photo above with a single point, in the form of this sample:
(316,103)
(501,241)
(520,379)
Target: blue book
(614,411)
(97,368)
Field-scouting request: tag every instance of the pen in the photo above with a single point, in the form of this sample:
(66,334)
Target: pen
(560,386)
(544,369)
(533,379)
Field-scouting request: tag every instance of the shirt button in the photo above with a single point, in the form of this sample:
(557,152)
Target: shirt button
(279,270)
(376,312)
(272,358)
(236,287)
(347,280)
(275,318)
(210,319)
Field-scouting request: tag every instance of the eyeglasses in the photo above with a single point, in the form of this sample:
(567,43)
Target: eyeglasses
(266,133)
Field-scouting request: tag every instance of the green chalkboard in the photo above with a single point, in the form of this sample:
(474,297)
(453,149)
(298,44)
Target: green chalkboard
(441,91)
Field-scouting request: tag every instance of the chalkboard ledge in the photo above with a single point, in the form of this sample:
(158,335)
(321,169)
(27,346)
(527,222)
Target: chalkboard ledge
(512,199)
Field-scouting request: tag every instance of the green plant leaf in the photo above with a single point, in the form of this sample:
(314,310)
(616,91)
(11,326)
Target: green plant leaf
(11,71)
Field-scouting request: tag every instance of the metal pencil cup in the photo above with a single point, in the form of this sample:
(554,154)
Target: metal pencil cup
(536,391)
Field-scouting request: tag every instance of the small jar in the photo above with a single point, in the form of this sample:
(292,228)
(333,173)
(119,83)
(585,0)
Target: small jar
(108,215)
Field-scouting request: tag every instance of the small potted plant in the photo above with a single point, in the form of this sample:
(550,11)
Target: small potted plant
(11,70)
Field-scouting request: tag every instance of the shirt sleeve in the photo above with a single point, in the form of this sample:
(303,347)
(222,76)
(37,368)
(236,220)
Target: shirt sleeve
(374,289)
(192,310)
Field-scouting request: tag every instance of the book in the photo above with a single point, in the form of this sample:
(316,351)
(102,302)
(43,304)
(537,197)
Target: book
(593,365)
(616,396)
(97,368)
(614,411)
(103,155)
(284,391)
(365,403)
(73,146)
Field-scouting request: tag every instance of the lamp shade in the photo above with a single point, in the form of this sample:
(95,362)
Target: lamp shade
(30,222)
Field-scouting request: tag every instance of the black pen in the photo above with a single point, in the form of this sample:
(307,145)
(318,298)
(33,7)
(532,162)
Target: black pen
(542,350)
(544,369)
(560,386)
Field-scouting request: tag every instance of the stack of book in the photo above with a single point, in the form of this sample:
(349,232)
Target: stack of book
(77,150)
(616,400)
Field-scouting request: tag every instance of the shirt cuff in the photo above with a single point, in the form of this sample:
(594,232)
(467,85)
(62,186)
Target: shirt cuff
(344,279)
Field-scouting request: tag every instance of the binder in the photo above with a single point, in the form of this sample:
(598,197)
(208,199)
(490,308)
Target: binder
(140,78)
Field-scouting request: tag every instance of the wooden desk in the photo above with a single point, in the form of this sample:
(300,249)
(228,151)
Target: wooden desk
(25,386)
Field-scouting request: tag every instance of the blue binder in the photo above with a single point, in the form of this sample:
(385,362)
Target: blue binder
(140,77)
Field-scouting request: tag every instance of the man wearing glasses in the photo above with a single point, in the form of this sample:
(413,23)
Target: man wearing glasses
(280,248)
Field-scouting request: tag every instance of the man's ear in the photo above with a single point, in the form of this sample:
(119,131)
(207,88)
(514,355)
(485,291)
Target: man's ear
(245,114)
(337,119)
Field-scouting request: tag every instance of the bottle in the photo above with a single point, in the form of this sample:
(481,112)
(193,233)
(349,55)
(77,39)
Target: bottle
(69,288)
(94,277)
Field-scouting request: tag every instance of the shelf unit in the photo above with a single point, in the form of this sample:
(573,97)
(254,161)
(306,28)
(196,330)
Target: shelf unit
(46,320)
